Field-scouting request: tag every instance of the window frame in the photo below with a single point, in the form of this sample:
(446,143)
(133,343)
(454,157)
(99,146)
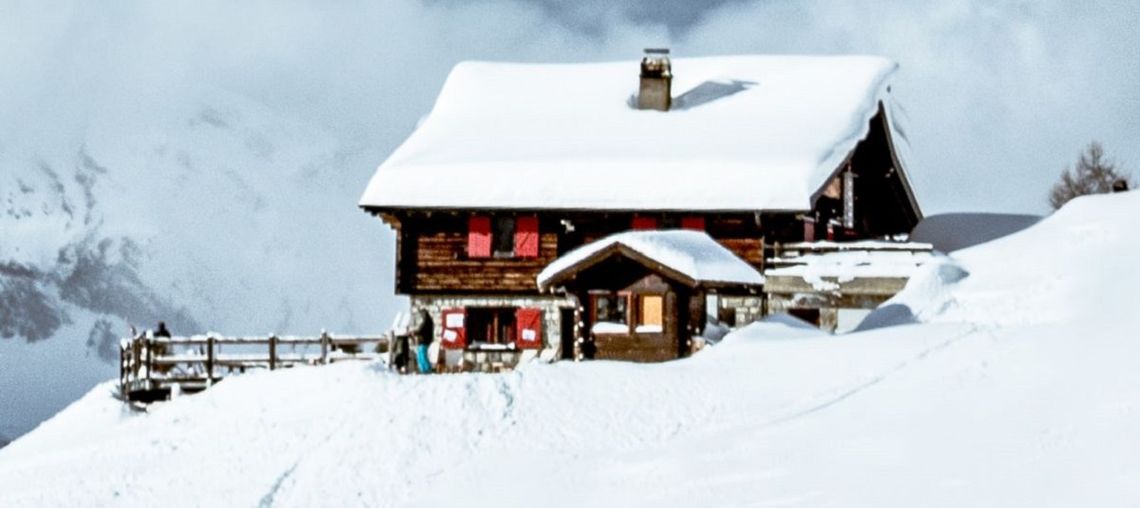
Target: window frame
(622,303)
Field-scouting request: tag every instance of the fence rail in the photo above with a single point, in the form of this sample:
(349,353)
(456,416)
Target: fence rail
(154,368)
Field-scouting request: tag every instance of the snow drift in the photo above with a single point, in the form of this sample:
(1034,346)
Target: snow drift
(1017,388)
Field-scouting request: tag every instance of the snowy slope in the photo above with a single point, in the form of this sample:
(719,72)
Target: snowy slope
(997,399)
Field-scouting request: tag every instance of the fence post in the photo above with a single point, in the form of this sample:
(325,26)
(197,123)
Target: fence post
(272,352)
(149,343)
(209,361)
(122,371)
(324,347)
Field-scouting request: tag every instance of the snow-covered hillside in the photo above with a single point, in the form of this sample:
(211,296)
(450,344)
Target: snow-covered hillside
(1019,388)
(211,213)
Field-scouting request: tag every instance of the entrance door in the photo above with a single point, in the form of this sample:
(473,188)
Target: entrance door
(567,331)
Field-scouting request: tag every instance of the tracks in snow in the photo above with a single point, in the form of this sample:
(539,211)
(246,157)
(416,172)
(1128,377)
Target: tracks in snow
(846,394)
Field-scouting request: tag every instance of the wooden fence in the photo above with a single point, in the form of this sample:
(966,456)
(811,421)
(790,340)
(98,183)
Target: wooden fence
(155,368)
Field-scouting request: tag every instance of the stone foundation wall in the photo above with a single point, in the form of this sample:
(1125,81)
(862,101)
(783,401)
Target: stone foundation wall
(827,305)
(740,310)
(551,321)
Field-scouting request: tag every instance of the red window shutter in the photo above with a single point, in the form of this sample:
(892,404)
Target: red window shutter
(644,223)
(526,237)
(529,328)
(809,229)
(454,327)
(693,223)
(479,237)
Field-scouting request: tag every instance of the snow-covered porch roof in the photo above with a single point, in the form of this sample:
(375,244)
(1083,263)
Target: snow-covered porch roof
(746,133)
(689,257)
(865,267)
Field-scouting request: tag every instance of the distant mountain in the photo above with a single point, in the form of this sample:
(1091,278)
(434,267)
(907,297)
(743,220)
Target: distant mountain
(949,232)
(212,213)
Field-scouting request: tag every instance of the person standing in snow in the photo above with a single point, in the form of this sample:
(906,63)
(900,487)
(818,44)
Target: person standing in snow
(157,349)
(399,352)
(425,332)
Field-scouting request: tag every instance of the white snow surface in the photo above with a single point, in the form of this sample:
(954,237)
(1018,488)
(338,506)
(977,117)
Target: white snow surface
(846,266)
(995,399)
(692,253)
(762,132)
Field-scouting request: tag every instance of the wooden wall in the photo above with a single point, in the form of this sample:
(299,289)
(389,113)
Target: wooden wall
(441,265)
(432,249)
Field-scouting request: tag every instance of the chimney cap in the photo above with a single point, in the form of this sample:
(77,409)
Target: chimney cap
(657,51)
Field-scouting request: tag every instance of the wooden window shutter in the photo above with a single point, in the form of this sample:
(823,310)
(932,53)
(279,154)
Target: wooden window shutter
(694,223)
(644,223)
(809,229)
(454,328)
(526,237)
(529,328)
(479,236)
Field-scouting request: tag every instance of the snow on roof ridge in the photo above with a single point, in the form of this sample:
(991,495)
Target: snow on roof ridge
(692,253)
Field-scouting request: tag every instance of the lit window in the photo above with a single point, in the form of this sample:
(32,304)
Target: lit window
(651,313)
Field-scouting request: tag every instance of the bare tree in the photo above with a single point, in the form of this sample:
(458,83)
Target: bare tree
(1093,174)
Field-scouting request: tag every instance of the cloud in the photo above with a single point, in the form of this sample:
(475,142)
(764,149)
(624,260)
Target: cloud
(600,18)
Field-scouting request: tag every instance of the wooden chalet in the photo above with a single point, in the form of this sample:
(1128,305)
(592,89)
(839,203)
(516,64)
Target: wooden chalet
(521,167)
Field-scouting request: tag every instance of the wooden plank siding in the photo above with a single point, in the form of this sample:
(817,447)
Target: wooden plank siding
(432,255)
(443,266)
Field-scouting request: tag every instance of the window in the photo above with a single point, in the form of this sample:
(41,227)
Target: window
(504,327)
(809,315)
(651,313)
(609,313)
(693,223)
(643,223)
(502,237)
(490,325)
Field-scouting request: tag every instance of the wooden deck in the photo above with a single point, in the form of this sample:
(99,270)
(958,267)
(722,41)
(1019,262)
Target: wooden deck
(153,369)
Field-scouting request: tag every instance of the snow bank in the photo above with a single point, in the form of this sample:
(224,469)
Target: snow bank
(507,135)
(775,327)
(1075,265)
(349,433)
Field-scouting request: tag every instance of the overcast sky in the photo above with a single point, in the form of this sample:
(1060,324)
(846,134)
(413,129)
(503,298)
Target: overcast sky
(1000,95)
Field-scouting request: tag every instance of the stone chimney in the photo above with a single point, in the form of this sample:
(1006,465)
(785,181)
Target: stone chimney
(656,80)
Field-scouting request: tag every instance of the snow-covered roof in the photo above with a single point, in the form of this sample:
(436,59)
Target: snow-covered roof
(691,253)
(744,133)
(827,271)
